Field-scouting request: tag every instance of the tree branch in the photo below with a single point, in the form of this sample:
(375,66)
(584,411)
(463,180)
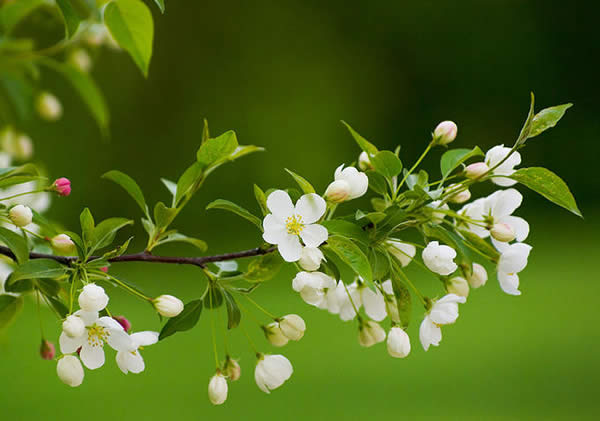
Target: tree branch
(147,257)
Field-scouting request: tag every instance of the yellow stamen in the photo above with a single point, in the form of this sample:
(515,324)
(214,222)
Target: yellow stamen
(97,335)
(294,224)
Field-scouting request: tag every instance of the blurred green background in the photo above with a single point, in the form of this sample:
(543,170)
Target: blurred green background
(282,74)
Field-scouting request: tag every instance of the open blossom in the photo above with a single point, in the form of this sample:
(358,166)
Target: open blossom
(272,371)
(311,258)
(131,359)
(494,156)
(429,333)
(313,286)
(343,299)
(439,258)
(70,371)
(403,252)
(443,311)
(373,302)
(349,184)
(478,276)
(286,224)
(398,343)
(217,389)
(512,261)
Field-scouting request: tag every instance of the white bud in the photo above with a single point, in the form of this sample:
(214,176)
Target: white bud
(403,252)
(438,217)
(476,170)
(478,276)
(274,334)
(48,106)
(80,59)
(217,389)
(503,232)
(338,191)
(439,258)
(364,163)
(459,286)
(370,333)
(93,298)
(272,371)
(63,244)
(168,306)
(398,343)
(73,326)
(292,326)
(70,371)
(459,194)
(445,132)
(20,215)
(310,259)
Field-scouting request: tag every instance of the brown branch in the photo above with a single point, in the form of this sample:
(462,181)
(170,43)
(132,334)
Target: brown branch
(147,257)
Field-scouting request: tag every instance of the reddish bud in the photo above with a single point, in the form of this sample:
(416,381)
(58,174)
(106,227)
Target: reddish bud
(47,351)
(126,324)
(104,269)
(62,186)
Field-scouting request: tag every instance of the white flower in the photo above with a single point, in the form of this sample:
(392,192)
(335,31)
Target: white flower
(403,252)
(497,154)
(459,286)
(20,215)
(499,207)
(438,217)
(391,304)
(398,343)
(370,333)
(73,326)
(476,170)
(445,310)
(217,389)
(93,298)
(364,162)
(70,371)
(272,371)
(286,223)
(373,302)
(48,106)
(478,276)
(429,333)
(292,326)
(311,258)
(63,244)
(312,287)
(342,300)
(439,258)
(459,194)
(168,306)
(131,360)
(97,331)
(349,184)
(512,261)
(275,335)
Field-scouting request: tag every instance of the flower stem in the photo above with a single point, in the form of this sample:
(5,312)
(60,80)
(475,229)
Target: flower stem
(416,164)
(260,308)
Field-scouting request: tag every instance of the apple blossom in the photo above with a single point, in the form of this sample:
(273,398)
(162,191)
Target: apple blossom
(48,106)
(370,333)
(403,252)
(342,300)
(311,258)
(499,207)
(69,370)
(20,215)
(272,371)
(167,305)
(494,156)
(275,335)
(63,244)
(292,326)
(476,170)
(62,186)
(349,184)
(445,310)
(364,162)
(286,223)
(373,302)
(217,389)
(445,132)
(47,350)
(80,59)
(429,333)
(458,193)
(459,286)
(439,258)
(391,304)
(93,298)
(73,326)
(478,276)
(313,286)
(131,360)
(438,217)
(398,343)
(512,261)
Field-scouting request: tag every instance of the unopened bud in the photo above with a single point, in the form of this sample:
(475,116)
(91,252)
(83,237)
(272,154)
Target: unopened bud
(310,259)
(168,306)
(232,370)
(62,186)
(20,215)
(104,269)
(503,232)
(125,324)
(63,244)
(274,334)
(338,191)
(476,170)
(80,59)
(461,194)
(48,106)
(70,371)
(73,326)
(370,334)
(17,145)
(478,276)
(445,132)
(292,326)
(364,163)
(47,350)
(459,286)
(217,389)
(93,298)
(398,343)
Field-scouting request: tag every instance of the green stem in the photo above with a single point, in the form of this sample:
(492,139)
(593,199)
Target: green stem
(22,194)
(258,306)
(214,336)
(416,164)
(124,285)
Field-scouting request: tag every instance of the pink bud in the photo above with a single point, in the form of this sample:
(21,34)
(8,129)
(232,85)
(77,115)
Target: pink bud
(123,322)
(104,269)
(62,186)
(47,351)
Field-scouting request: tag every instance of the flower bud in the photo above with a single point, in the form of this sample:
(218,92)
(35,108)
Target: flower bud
(93,298)
(370,334)
(125,324)
(364,163)
(274,334)
(391,308)
(476,170)
(17,145)
(62,186)
(478,276)
(338,191)
(20,215)
(461,194)
(310,259)
(47,351)
(168,306)
(459,286)
(63,244)
(398,343)
(232,370)
(48,106)
(104,269)
(445,132)
(403,252)
(73,326)
(70,371)
(503,232)
(80,59)
(292,326)
(217,389)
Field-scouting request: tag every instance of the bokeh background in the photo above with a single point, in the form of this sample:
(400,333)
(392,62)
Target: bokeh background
(283,74)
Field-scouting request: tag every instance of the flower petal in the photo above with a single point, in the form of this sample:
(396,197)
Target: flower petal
(145,338)
(314,235)
(280,204)
(88,317)
(519,225)
(374,303)
(509,283)
(274,229)
(505,203)
(92,356)
(311,207)
(119,340)
(69,345)
(290,248)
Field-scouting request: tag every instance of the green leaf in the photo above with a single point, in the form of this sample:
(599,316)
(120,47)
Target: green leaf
(171,186)
(161,5)
(177,237)
(15,243)
(118,251)
(454,157)
(214,150)
(347,229)
(130,186)
(19,179)
(304,185)
(403,301)
(70,16)
(387,164)
(186,320)
(214,298)
(261,199)
(547,118)
(377,182)
(58,305)
(526,129)
(233,311)
(480,244)
(163,216)
(232,207)
(87,226)
(34,269)
(205,132)
(10,306)
(352,255)
(363,143)
(263,268)
(190,178)
(105,232)
(12,13)
(549,185)
(130,23)
(380,263)
(244,150)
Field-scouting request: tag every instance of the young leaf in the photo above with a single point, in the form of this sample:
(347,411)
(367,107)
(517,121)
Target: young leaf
(347,229)
(214,298)
(263,268)
(547,118)
(261,199)
(232,207)
(244,150)
(454,157)
(214,150)
(387,164)
(10,306)
(161,5)
(377,182)
(171,186)
(233,311)
(130,23)
(190,178)
(118,251)
(163,216)
(304,185)
(130,186)
(15,243)
(177,237)
(549,185)
(526,130)
(352,255)
(186,320)
(35,269)
(363,143)
(87,226)
(105,232)
(70,17)
(480,244)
